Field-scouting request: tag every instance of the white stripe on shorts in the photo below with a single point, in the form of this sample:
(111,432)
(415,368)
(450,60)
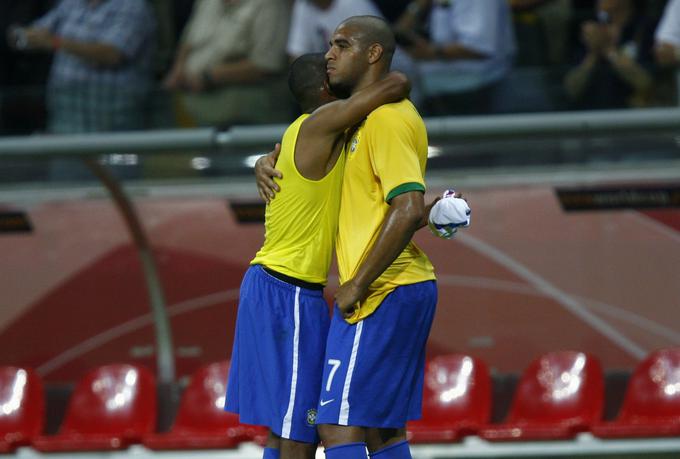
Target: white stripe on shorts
(344,405)
(288,418)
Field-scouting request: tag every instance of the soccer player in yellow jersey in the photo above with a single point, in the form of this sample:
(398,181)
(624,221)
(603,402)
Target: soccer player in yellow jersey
(375,351)
(282,324)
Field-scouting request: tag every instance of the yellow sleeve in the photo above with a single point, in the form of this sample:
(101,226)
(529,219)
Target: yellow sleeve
(393,154)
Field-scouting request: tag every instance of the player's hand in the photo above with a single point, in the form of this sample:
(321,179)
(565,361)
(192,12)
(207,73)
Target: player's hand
(265,174)
(426,214)
(428,208)
(347,296)
(459,195)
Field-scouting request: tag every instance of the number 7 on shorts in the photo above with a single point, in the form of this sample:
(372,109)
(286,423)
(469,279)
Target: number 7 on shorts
(335,364)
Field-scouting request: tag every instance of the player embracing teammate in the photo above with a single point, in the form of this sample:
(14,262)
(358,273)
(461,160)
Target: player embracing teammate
(374,358)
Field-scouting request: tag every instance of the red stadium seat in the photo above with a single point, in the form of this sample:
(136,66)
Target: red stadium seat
(651,406)
(22,407)
(111,407)
(456,400)
(559,395)
(201,421)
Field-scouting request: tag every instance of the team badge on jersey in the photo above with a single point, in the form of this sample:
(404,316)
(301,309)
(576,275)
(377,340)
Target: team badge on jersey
(311,417)
(354,143)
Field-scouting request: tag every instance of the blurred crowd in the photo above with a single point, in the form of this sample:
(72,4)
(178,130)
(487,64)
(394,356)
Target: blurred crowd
(107,65)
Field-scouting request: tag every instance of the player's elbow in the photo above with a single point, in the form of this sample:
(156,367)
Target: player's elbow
(411,208)
(415,216)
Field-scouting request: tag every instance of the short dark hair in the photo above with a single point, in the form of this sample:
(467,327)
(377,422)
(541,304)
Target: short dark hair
(307,74)
(374,29)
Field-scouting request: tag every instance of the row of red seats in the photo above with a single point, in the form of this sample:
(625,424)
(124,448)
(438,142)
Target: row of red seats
(559,395)
(114,406)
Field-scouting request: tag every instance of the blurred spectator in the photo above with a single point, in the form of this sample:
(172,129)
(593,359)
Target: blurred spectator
(14,68)
(314,21)
(615,68)
(103,58)
(413,24)
(470,51)
(542,30)
(165,35)
(22,75)
(230,60)
(668,36)
(181,10)
(392,10)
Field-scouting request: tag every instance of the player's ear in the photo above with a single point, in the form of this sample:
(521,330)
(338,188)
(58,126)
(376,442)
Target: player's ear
(375,52)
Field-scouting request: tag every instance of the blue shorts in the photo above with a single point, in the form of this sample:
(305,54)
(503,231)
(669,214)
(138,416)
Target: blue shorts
(277,358)
(374,370)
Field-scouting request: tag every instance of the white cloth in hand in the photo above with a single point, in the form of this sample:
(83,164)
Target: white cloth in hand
(448,214)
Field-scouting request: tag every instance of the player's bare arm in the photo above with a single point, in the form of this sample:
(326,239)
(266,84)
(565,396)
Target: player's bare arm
(337,116)
(321,135)
(324,128)
(401,222)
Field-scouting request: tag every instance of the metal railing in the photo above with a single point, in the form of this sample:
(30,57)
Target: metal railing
(476,127)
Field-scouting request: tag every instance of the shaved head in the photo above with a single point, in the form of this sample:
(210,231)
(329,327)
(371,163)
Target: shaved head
(307,79)
(372,30)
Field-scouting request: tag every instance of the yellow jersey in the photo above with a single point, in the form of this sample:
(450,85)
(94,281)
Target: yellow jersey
(301,222)
(386,157)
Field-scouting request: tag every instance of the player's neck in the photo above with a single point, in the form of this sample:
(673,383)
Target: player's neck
(369,78)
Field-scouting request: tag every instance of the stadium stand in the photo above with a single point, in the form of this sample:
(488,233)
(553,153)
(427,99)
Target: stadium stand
(22,407)
(560,394)
(456,399)
(112,407)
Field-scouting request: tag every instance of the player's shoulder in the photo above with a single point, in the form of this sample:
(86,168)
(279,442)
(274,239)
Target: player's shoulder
(396,111)
(402,112)
(295,126)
